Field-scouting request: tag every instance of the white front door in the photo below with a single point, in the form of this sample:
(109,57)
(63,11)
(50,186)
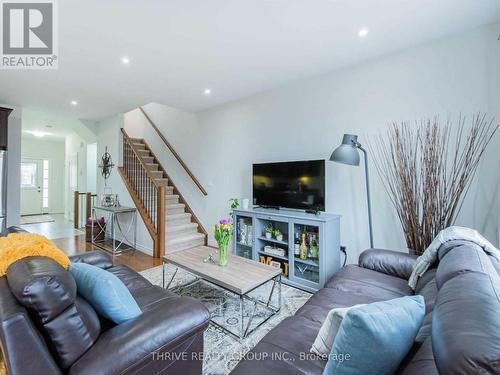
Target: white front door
(31,187)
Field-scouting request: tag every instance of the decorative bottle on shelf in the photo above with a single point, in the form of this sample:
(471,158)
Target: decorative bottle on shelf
(314,249)
(303,248)
(296,246)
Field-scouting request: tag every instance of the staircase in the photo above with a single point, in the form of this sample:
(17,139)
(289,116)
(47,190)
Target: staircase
(171,223)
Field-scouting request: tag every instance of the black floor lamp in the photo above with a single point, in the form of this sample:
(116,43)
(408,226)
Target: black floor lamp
(347,153)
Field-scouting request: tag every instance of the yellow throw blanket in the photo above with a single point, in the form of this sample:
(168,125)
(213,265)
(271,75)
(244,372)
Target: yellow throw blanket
(22,245)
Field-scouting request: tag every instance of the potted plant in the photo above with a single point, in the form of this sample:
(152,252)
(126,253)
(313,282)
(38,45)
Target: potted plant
(278,235)
(223,231)
(269,231)
(234,203)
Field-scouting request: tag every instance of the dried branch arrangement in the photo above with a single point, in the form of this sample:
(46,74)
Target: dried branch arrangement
(427,169)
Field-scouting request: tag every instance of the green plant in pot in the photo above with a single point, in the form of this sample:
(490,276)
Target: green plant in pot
(234,204)
(278,235)
(269,230)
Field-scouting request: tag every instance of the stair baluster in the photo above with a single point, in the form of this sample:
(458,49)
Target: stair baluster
(148,194)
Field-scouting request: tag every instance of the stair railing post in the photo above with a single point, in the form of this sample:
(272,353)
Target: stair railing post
(76,209)
(160,212)
(88,206)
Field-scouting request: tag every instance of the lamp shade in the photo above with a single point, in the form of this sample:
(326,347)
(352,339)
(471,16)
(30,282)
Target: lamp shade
(347,152)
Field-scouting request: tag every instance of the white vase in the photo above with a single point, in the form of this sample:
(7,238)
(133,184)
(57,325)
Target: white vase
(245,203)
(280,237)
(268,235)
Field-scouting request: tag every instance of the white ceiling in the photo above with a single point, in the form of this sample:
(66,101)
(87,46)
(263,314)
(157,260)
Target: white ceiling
(177,48)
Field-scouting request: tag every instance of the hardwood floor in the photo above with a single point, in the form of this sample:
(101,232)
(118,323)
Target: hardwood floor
(138,261)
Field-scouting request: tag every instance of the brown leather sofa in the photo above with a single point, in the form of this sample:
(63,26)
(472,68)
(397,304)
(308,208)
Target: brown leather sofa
(460,333)
(61,333)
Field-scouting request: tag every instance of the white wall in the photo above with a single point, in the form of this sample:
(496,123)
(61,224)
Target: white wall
(54,151)
(108,135)
(306,120)
(13,166)
(74,145)
(92,168)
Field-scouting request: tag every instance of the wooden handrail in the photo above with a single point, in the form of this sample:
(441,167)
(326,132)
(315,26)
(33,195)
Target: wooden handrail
(176,155)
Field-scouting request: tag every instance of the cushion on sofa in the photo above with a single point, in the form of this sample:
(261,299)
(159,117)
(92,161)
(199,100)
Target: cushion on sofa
(16,246)
(358,280)
(320,304)
(420,361)
(105,292)
(48,291)
(376,337)
(326,335)
(466,324)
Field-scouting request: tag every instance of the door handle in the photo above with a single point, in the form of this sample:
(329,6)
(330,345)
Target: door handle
(38,189)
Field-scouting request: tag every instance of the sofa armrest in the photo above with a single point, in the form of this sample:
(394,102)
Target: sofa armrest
(136,343)
(95,258)
(393,263)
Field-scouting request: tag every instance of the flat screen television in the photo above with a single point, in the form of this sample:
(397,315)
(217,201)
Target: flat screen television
(294,184)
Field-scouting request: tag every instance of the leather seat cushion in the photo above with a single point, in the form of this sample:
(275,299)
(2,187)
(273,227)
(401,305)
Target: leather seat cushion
(145,294)
(130,278)
(420,362)
(289,340)
(149,296)
(358,280)
(318,306)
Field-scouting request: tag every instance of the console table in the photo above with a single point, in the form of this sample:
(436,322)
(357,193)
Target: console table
(112,244)
(308,273)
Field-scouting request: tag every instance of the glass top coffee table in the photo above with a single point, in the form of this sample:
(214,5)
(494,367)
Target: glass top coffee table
(240,277)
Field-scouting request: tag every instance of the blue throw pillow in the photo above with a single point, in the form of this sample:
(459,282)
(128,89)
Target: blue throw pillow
(375,338)
(105,292)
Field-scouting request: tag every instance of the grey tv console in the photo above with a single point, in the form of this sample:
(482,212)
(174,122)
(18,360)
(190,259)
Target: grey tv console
(309,274)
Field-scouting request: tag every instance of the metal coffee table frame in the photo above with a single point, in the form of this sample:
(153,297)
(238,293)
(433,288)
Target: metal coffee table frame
(245,331)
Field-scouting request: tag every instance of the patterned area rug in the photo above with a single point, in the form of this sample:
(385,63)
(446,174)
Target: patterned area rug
(223,351)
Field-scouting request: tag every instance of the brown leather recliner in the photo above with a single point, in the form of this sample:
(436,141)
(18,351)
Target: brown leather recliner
(47,328)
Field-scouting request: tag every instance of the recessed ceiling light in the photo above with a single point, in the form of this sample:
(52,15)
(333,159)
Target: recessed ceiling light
(207,91)
(74,102)
(38,134)
(125,60)
(363,32)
